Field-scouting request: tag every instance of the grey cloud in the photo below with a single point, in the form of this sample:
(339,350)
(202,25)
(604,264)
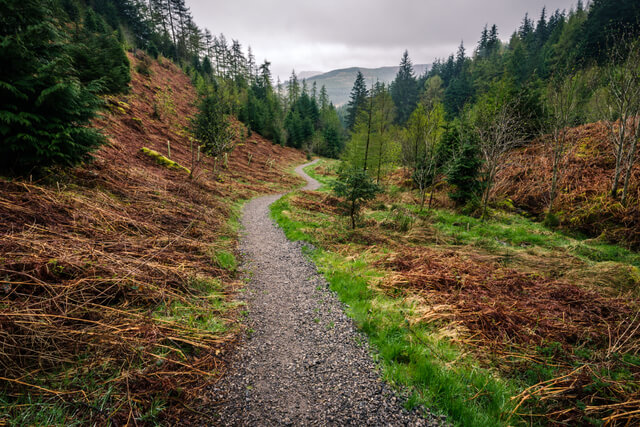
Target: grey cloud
(323,35)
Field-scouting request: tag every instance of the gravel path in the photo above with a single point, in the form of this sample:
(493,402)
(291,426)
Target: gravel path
(303,362)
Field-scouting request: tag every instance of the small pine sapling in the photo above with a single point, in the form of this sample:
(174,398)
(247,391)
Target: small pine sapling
(356,187)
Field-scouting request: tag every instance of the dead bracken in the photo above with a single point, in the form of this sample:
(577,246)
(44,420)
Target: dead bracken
(98,262)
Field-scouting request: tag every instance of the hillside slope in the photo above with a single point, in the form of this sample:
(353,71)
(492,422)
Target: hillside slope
(583,201)
(339,82)
(117,276)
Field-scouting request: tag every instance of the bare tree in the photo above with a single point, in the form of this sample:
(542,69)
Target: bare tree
(499,130)
(561,105)
(384,116)
(420,147)
(619,106)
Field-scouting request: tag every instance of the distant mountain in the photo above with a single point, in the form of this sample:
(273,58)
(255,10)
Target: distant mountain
(340,82)
(308,74)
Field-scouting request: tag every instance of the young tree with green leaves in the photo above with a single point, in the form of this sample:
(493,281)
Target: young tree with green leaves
(383,115)
(212,129)
(420,147)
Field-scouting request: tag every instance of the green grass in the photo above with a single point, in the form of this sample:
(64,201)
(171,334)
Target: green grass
(225,260)
(37,411)
(322,179)
(204,313)
(517,231)
(433,371)
(294,230)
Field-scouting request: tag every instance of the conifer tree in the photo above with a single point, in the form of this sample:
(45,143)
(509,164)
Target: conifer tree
(324,98)
(404,90)
(357,100)
(294,88)
(44,110)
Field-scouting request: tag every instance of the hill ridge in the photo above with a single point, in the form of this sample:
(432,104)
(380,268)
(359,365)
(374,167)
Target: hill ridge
(340,81)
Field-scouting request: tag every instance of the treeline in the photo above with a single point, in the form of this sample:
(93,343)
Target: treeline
(298,117)
(61,56)
(459,121)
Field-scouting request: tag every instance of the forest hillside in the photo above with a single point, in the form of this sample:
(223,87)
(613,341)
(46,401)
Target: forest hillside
(118,276)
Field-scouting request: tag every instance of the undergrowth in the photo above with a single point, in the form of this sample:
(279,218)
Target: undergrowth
(451,303)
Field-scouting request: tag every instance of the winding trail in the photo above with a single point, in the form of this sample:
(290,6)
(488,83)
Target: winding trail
(304,362)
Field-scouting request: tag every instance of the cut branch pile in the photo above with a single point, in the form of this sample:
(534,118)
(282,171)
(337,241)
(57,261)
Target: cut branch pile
(111,301)
(524,319)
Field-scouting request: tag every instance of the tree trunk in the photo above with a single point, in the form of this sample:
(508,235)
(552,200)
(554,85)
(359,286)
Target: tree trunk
(631,159)
(193,158)
(173,32)
(353,214)
(433,186)
(379,160)
(485,201)
(616,178)
(627,176)
(619,153)
(366,150)
(554,184)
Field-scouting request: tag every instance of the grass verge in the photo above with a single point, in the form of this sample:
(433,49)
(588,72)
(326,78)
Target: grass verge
(435,373)
(500,322)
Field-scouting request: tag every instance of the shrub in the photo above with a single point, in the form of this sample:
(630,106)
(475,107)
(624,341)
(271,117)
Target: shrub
(551,220)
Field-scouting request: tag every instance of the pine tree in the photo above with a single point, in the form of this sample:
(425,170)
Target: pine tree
(293,88)
(251,63)
(99,58)
(357,100)
(481,51)
(404,90)
(464,166)
(44,110)
(493,43)
(324,98)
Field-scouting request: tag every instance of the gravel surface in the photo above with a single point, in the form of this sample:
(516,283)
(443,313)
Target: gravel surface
(302,361)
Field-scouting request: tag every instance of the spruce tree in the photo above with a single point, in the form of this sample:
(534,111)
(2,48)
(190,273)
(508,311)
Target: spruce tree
(99,58)
(44,110)
(293,87)
(357,100)
(404,90)
(464,168)
(324,98)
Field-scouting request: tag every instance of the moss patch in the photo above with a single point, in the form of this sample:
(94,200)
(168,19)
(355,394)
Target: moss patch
(162,160)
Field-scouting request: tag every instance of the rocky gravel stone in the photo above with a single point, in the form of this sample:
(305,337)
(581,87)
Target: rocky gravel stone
(302,361)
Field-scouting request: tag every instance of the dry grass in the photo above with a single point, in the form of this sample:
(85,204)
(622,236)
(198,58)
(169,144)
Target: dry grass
(583,200)
(568,329)
(99,264)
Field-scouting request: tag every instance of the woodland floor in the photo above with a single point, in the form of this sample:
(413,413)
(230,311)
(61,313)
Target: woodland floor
(497,322)
(303,360)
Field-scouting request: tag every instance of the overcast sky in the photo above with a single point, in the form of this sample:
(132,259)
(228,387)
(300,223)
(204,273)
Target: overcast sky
(322,35)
